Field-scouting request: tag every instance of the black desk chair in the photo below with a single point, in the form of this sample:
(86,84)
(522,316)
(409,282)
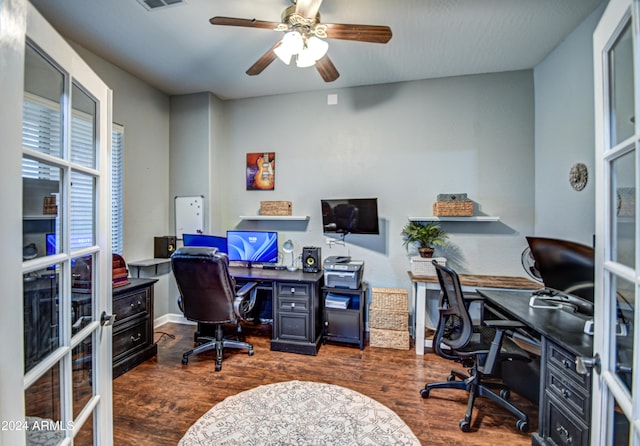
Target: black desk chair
(208,296)
(481,349)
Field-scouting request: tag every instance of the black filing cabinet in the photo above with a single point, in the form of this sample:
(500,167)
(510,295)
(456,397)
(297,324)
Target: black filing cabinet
(345,325)
(566,400)
(297,317)
(133,327)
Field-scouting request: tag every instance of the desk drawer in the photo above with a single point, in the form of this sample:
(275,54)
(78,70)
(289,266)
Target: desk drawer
(291,305)
(130,339)
(566,363)
(293,290)
(131,305)
(568,393)
(563,429)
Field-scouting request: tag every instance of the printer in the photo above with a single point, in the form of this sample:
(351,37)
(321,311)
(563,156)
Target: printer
(342,272)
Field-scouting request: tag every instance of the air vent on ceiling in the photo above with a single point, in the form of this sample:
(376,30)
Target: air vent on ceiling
(153,5)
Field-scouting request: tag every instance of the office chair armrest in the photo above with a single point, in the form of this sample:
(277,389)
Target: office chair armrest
(500,326)
(242,304)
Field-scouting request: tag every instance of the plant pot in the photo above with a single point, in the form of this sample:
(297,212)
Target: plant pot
(427,253)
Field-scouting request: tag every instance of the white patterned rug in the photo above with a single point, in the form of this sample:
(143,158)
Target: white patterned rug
(299,413)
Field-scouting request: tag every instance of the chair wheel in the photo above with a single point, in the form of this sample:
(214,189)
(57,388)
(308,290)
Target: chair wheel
(424,393)
(218,367)
(185,361)
(522,426)
(451,377)
(464,425)
(250,352)
(505,394)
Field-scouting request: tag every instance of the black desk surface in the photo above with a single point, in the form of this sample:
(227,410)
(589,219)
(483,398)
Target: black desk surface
(560,326)
(276,275)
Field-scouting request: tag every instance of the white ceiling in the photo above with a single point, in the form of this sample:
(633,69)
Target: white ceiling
(176,49)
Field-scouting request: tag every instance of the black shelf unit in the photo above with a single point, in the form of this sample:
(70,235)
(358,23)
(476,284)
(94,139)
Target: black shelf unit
(345,325)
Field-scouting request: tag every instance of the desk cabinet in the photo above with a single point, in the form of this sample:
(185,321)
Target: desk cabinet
(345,325)
(296,318)
(565,404)
(133,327)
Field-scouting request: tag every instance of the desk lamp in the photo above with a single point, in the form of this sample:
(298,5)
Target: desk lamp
(288,248)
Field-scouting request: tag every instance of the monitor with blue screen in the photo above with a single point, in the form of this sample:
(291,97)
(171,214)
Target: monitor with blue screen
(252,246)
(210,241)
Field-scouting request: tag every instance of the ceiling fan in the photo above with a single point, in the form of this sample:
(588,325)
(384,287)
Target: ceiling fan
(304,37)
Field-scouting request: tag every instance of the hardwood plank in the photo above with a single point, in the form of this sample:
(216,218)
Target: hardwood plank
(156,402)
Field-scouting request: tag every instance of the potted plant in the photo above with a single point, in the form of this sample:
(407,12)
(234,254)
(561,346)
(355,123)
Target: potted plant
(427,236)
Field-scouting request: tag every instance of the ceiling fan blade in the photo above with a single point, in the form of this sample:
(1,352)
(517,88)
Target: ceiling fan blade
(308,8)
(247,23)
(327,69)
(264,61)
(360,33)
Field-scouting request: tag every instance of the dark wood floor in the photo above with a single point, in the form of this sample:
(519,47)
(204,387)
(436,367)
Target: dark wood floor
(156,402)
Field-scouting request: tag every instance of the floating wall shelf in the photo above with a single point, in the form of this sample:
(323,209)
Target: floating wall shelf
(275,217)
(480,218)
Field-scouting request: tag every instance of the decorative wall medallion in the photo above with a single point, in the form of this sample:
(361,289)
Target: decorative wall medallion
(578,176)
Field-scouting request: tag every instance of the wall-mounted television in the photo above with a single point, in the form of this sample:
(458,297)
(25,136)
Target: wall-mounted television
(210,241)
(350,216)
(252,246)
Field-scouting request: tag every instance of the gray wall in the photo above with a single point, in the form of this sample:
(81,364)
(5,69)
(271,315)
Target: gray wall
(493,136)
(404,144)
(564,114)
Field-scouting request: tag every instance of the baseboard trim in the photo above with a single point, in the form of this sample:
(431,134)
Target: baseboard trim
(174,318)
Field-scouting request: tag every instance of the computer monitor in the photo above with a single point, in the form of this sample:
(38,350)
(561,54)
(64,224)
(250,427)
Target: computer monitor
(566,267)
(51,242)
(210,241)
(350,216)
(252,246)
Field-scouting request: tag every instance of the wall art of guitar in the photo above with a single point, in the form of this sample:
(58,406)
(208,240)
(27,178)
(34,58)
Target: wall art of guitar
(265,176)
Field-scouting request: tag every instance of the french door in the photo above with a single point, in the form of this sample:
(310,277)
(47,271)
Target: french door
(616,396)
(66,269)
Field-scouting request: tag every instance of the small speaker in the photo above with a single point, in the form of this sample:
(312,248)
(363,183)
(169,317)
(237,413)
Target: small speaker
(163,247)
(310,259)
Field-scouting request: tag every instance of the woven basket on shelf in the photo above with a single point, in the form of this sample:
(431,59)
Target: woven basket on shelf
(389,338)
(453,208)
(275,208)
(421,266)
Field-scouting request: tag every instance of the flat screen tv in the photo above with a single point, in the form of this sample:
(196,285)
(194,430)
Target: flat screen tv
(210,241)
(252,246)
(566,267)
(350,216)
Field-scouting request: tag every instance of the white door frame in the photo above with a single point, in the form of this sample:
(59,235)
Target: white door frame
(608,388)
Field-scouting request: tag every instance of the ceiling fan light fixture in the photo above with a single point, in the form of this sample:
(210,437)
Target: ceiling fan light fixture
(305,59)
(317,47)
(291,44)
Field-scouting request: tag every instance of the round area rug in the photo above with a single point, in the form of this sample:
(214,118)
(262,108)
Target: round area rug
(299,413)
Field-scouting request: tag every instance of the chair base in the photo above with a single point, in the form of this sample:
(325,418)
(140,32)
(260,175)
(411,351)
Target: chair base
(478,388)
(219,342)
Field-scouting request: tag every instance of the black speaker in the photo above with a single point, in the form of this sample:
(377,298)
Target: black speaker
(311,259)
(163,247)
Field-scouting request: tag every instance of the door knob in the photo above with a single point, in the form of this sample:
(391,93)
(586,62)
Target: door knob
(584,363)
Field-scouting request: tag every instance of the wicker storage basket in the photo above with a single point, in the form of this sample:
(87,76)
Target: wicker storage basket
(390,298)
(275,208)
(389,339)
(453,208)
(421,266)
(388,319)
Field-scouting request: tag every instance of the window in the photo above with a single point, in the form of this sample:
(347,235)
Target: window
(41,132)
(117,170)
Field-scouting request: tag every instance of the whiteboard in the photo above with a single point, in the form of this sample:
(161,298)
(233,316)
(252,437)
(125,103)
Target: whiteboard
(189,212)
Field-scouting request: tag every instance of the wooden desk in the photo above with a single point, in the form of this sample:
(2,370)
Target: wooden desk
(470,283)
(297,312)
